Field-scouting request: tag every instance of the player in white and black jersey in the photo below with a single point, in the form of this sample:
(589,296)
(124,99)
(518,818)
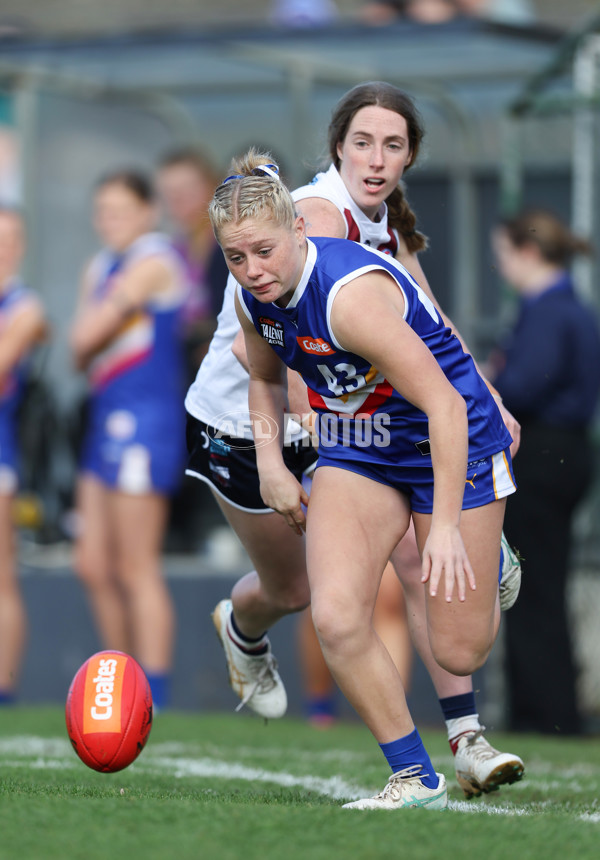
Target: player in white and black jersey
(373,139)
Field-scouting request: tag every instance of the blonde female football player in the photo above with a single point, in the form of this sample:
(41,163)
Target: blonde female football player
(405,421)
(227,462)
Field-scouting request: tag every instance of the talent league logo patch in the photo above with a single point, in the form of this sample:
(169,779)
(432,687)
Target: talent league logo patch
(315,346)
(272,331)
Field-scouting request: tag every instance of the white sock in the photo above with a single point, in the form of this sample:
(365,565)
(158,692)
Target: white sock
(460,725)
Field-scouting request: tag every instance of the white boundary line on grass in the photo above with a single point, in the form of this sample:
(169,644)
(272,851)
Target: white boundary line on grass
(335,787)
(56,753)
(593,817)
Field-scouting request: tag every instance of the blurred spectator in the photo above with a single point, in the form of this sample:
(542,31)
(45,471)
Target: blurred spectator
(303,13)
(126,338)
(10,172)
(22,325)
(381,12)
(502,11)
(186,180)
(548,373)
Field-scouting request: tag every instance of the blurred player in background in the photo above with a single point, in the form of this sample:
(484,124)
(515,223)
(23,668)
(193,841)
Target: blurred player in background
(126,338)
(186,179)
(22,326)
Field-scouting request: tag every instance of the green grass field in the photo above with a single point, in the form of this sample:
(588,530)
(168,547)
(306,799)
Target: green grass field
(228,786)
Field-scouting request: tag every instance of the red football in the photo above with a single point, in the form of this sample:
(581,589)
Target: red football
(109,711)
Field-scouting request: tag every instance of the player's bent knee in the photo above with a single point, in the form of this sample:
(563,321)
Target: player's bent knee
(296,605)
(292,600)
(461,661)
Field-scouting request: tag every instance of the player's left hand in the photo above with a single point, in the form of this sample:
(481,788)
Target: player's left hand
(513,427)
(445,563)
(281,491)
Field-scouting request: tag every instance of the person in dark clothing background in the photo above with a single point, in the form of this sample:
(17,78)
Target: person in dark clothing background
(186,179)
(548,374)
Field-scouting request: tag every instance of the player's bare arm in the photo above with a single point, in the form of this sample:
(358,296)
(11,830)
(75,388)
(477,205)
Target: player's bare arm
(26,328)
(97,323)
(267,398)
(413,266)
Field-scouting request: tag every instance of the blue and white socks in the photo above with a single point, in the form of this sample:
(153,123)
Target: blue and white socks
(461,717)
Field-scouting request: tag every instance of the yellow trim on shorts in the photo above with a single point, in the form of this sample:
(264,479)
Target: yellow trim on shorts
(502,479)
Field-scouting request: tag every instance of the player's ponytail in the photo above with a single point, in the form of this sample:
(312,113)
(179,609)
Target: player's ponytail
(402,217)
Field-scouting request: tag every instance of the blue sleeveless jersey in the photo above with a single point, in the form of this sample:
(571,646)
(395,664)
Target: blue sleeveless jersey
(361,416)
(13,384)
(142,366)
(137,380)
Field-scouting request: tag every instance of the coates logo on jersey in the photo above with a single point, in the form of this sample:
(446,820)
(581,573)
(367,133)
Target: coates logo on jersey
(315,346)
(272,331)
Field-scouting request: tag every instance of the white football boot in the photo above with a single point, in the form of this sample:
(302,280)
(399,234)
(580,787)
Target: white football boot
(255,679)
(510,580)
(480,768)
(405,790)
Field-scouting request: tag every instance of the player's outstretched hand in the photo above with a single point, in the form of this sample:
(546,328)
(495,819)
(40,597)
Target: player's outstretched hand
(281,491)
(445,563)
